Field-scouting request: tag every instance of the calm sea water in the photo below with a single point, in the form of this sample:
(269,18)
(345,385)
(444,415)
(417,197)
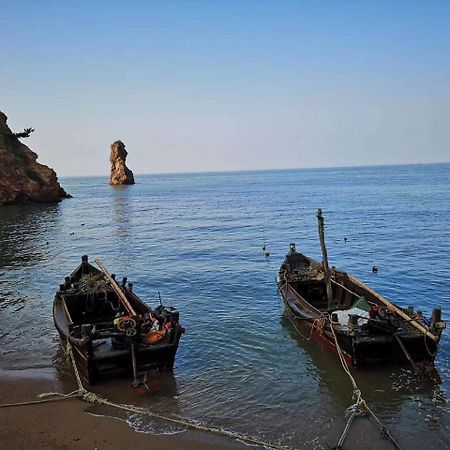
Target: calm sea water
(198,240)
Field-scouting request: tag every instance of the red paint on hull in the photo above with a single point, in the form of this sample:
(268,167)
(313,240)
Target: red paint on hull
(314,333)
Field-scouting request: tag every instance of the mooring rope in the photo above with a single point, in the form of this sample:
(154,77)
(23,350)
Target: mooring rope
(319,320)
(90,397)
(360,406)
(74,394)
(428,349)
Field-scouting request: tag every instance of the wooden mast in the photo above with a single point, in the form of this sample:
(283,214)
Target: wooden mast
(326,269)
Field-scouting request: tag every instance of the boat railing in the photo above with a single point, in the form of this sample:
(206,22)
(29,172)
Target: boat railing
(304,303)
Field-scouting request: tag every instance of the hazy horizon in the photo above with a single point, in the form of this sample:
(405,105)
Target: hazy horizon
(215,86)
(275,169)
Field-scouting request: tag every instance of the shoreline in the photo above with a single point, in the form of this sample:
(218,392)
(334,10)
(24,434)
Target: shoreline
(68,424)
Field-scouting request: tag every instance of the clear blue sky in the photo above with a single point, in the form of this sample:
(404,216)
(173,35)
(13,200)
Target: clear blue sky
(228,85)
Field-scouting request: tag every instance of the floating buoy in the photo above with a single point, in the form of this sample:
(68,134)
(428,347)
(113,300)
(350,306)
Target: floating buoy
(265,249)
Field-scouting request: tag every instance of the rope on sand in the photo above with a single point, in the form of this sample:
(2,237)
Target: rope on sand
(74,394)
(90,397)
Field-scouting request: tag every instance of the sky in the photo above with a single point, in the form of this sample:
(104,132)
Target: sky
(193,86)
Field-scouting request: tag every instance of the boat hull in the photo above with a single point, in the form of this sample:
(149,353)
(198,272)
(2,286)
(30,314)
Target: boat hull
(89,322)
(359,351)
(93,370)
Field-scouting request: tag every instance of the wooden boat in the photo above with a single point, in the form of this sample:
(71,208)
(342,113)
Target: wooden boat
(336,309)
(111,331)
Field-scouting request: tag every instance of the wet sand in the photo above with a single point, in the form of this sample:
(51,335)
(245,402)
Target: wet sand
(66,424)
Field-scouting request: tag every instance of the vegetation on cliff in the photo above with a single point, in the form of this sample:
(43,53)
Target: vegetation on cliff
(22,178)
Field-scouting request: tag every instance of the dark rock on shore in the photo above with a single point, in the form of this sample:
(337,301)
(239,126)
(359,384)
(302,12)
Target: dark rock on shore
(120,173)
(22,178)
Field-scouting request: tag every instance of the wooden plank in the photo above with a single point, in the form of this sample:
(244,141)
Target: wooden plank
(116,288)
(408,356)
(393,308)
(387,303)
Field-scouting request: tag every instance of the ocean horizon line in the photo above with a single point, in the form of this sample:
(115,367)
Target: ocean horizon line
(283,169)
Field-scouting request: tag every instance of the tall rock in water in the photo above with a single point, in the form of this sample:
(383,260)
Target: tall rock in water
(22,178)
(120,173)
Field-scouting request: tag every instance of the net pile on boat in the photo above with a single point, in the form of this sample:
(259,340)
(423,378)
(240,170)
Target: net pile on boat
(93,282)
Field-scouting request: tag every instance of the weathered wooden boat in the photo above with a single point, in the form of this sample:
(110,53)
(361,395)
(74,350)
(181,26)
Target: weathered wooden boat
(342,313)
(111,331)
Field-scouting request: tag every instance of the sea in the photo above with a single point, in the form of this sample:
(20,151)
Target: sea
(198,240)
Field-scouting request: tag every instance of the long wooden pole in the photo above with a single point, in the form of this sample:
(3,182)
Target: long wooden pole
(408,356)
(326,269)
(116,288)
(389,305)
(398,311)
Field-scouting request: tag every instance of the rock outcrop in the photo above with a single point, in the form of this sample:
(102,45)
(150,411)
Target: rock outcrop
(22,178)
(120,173)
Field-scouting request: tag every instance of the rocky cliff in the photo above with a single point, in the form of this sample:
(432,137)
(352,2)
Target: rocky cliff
(22,178)
(120,173)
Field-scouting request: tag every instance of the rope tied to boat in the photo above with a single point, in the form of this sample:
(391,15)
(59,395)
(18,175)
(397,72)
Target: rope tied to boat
(432,354)
(90,397)
(318,321)
(360,406)
(320,324)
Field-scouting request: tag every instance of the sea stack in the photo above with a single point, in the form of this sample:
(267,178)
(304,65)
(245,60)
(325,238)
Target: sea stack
(22,178)
(120,173)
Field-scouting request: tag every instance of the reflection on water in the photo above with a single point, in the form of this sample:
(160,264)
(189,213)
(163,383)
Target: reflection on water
(197,239)
(383,388)
(121,212)
(25,232)
(27,239)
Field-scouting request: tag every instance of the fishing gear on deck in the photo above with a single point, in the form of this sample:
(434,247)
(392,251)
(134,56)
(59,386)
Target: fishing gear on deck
(113,331)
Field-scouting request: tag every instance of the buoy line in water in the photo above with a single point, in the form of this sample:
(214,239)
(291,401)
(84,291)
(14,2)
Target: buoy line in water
(90,397)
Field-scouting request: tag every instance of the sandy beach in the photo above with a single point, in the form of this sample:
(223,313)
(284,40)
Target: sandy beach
(67,425)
